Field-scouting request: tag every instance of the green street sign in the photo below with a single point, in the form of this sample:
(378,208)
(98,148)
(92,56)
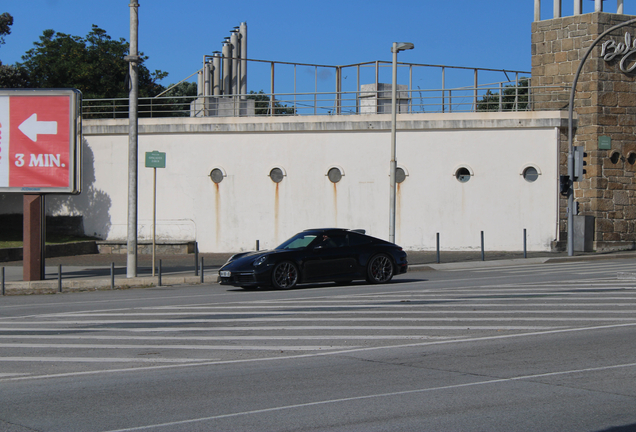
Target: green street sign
(604,143)
(155,159)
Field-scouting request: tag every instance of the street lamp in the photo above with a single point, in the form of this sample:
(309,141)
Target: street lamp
(396,48)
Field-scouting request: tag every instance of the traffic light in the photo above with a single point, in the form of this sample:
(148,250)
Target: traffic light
(579,162)
(564,185)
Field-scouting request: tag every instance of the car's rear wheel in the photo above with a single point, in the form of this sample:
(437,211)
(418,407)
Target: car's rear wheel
(379,269)
(285,275)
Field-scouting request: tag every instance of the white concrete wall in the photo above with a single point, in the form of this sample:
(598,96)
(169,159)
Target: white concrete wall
(247,206)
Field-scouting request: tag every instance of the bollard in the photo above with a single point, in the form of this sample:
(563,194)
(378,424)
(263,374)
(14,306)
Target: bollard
(483,258)
(196,258)
(112,275)
(159,281)
(438,255)
(525,244)
(202,270)
(59,277)
(258,245)
(3,292)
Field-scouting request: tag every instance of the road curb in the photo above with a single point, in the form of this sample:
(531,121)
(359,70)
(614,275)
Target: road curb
(76,285)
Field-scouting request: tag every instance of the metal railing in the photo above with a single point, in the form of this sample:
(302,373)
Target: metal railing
(501,97)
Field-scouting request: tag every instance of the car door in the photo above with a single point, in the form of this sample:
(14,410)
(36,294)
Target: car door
(332,258)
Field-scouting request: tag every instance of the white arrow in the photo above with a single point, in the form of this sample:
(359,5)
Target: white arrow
(31,127)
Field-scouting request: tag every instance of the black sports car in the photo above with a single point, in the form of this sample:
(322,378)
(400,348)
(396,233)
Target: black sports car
(317,255)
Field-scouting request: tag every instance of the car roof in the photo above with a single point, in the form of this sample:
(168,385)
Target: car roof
(334,230)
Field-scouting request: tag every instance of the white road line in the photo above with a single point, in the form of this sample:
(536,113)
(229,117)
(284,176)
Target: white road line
(319,354)
(288,328)
(383,311)
(177,347)
(378,396)
(222,338)
(98,360)
(291,320)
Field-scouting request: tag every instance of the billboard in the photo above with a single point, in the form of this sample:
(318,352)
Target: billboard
(40,141)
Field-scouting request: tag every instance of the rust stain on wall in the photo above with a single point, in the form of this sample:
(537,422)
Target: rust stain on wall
(398,210)
(276,211)
(335,203)
(217,209)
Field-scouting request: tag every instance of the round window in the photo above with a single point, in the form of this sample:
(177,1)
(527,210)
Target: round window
(462,175)
(276,175)
(216,175)
(615,157)
(530,174)
(335,175)
(400,175)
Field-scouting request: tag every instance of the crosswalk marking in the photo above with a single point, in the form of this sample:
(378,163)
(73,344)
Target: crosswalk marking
(133,338)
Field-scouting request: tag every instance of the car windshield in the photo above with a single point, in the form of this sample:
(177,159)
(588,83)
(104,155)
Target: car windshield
(299,241)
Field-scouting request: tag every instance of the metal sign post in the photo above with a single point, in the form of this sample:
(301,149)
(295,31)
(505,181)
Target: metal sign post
(154,160)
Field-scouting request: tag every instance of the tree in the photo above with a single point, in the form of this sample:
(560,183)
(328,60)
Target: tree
(262,105)
(94,65)
(6,21)
(514,98)
(175,102)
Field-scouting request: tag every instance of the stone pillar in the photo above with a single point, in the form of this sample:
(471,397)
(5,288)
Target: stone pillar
(598,5)
(605,106)
(557,8)
(619,7)
(537,10)
(578,7)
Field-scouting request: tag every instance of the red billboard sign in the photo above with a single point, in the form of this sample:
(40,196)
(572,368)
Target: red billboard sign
(39,141)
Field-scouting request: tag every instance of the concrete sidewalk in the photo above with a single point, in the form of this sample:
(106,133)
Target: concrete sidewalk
(93,271)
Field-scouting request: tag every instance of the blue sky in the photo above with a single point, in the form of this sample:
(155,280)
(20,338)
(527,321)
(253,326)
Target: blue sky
(176,34)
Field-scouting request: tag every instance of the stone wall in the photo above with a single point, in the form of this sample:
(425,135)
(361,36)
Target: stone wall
(605,105)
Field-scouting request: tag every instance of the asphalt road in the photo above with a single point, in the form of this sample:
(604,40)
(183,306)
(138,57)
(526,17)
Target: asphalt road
(541,347)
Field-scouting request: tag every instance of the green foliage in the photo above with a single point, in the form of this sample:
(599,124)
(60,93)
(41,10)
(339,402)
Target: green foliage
(14,77)
(6,21)
(94,65)
(263,105)
(514,98)
(174,103)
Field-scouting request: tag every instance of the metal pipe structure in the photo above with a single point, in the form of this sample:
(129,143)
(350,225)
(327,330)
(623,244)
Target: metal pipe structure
(133,59)
(570,133)
(207,75)
(243,78)
(216,74)
(537,10)
(227,69)
(557,8)
(234,46)
(397,47)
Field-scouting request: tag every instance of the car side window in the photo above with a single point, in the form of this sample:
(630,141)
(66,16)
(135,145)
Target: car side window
(332,241)
(358,240)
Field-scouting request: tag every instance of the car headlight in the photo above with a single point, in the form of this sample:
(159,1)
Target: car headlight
(260,260)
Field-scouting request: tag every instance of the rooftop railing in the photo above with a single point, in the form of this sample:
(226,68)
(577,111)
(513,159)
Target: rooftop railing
(501,97)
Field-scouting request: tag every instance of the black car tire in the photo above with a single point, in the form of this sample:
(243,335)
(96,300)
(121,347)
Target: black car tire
(379,269)
(285,275)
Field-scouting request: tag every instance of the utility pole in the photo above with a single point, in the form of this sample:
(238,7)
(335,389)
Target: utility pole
(133,60)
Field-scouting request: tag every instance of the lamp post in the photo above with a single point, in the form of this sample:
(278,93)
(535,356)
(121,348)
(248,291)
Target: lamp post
(397,47)
(133,59)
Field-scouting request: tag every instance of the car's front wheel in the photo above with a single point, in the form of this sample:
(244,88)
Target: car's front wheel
(285,275)
(379,269)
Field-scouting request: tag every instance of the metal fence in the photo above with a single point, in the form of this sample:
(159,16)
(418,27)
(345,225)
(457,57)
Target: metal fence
(502,97)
